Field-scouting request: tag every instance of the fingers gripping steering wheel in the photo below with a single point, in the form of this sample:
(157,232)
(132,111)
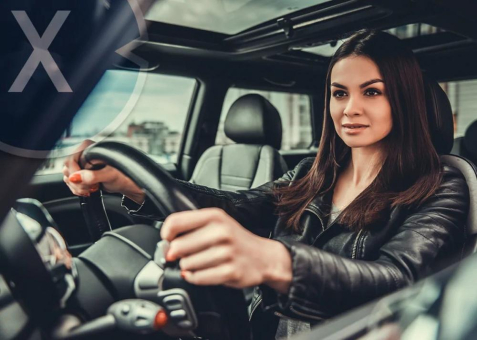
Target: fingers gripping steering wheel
(226,304)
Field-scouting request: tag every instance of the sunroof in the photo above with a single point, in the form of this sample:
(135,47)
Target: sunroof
(403,32)
(224,16)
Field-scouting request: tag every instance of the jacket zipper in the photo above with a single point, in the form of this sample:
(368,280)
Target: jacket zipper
(355,246)
(254,308)
(309,316)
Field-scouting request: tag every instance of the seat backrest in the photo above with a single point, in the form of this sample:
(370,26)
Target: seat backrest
(442,131)
(466,146)
(255,125)
(469,143)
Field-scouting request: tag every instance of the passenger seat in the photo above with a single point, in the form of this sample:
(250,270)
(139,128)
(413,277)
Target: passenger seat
(255,125)
(467,146)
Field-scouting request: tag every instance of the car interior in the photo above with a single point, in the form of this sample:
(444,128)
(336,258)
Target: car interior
(231,97)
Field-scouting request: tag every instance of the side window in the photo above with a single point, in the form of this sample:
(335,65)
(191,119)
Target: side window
(464,106)
(154,124)
(295,112)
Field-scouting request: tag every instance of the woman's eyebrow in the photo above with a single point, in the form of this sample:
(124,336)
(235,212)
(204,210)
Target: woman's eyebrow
(369,82)
(366,83)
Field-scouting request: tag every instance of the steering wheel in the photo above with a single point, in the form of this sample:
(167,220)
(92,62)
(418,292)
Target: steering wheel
(221,311)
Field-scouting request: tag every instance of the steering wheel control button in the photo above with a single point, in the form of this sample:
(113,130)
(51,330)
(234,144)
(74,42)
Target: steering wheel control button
(178,314)
(141,322)
(125,310)
(162,247)
(160,320)
(182,317)
(138,316)
(174,302)
(186,324)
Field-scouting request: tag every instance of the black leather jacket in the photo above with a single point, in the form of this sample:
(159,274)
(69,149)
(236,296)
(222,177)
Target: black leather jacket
(335,269)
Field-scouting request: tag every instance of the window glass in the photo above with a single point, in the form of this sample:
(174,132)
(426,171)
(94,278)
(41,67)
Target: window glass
(224,16)
(464,106)
(154,125)
(295,112)
(402,32)
(414,30)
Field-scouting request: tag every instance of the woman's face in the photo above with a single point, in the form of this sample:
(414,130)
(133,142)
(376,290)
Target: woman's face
(359,105)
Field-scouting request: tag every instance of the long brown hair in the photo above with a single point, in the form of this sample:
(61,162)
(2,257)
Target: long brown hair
(410,172)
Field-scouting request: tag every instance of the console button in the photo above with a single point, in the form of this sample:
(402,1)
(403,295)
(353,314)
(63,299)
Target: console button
(174,302)
(125,309)
(185,324)
(178,314)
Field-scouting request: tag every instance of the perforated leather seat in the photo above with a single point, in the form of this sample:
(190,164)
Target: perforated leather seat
(442,131)
(255,125)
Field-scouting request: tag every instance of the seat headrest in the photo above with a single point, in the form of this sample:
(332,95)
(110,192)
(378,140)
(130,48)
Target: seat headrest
(254,120)
(439,113)
(470,140)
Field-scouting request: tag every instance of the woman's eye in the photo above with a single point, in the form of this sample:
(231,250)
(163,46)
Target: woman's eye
(371,92)
(339,94)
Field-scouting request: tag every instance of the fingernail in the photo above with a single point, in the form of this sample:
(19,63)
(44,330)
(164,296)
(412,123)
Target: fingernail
(184,273)
(75,178)
(94,189)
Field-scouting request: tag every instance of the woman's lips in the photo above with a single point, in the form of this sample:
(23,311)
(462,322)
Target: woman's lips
(353,129)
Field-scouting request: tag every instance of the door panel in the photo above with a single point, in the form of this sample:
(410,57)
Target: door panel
(68,215)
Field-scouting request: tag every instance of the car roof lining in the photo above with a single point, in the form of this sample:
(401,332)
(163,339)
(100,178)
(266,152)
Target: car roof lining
(257,47)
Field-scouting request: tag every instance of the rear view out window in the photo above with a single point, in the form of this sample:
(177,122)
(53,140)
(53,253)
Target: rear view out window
(462,96)
(154,124)
(295,112)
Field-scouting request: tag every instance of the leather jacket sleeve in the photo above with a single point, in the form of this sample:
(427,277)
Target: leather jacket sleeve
(254,208)
(325,284)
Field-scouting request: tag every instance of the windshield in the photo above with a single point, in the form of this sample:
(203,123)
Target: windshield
(224,16)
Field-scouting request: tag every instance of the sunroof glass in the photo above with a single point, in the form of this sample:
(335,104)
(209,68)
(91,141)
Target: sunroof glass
(402,32)
(224,16)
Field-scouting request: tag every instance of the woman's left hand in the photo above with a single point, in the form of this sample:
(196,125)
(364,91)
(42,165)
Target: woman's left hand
(215,249)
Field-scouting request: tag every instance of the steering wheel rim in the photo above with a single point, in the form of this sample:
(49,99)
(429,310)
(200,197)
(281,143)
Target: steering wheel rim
(156,182)
(169,197)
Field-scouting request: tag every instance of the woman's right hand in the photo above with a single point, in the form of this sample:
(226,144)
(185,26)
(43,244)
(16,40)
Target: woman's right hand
(84,182)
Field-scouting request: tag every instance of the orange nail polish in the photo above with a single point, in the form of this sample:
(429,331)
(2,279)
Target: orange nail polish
(75,178)
(183,274)
(94,189)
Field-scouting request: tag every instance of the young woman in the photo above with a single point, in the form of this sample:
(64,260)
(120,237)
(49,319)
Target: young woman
(372,213)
